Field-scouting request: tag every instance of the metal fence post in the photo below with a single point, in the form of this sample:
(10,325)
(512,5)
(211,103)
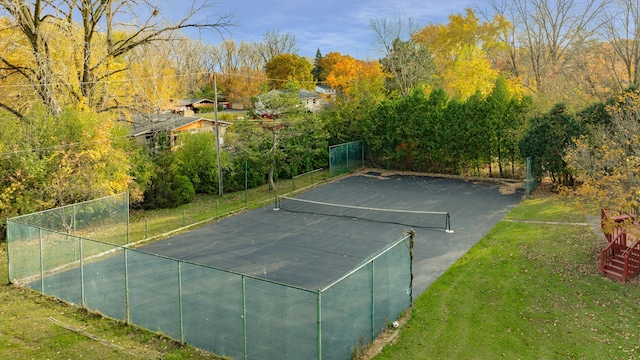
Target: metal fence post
(75,239)
(126,288)
(41,262)
(319,325)
(84,303)
(127,217)
(373,302)
(362,152)
(246,181)
(244,315)
(180,301)
(348,166)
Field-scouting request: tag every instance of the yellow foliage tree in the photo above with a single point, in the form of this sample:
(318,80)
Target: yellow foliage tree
(286,68)
(469,73)
(464,51)
(152,81)
(607,164)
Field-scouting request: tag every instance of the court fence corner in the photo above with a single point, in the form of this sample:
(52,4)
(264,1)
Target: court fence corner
(81,254)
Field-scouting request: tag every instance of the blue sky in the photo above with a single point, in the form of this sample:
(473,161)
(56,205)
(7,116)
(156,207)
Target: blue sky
(331,25)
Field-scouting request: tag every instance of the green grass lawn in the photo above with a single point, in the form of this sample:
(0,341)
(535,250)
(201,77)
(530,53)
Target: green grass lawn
(525,291)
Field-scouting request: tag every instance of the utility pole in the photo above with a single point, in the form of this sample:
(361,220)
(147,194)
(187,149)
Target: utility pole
(215,117)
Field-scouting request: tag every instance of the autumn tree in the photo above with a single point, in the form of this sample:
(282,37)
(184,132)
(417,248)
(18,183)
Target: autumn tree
(194,61)
(462,50)
(45,27)
(241,71)
(549,41)
(326,64)
(360,86)
(275,43)
(622,29)
(49,161)
(285,68)
(152,77)
(408,64)
(606,161)
(351,76)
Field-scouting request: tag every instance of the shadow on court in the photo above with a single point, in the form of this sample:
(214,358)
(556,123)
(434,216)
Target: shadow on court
(312,251)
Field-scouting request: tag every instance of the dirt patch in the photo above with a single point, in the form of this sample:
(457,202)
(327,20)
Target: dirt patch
(389,336)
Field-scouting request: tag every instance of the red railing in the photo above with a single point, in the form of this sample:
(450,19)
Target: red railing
(615,247)
(631,260)
(616,233)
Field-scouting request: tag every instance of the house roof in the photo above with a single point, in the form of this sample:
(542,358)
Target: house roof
(306,94)
(302,94)
(325,89)
(148,123)
(192,101)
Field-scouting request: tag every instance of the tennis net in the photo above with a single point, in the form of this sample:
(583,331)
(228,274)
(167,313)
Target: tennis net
(414,218)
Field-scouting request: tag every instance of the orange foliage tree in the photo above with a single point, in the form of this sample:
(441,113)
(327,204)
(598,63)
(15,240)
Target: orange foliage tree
(351,77)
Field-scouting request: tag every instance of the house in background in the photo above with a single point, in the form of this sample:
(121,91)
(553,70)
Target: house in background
(188,106)
(146,128)
(312,101)
(327,91)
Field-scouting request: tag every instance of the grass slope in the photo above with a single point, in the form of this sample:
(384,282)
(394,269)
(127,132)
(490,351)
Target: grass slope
(525,291)
(33,326)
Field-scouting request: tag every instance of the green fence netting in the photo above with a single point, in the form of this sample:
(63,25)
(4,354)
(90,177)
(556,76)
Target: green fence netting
(344,158)
(227,313)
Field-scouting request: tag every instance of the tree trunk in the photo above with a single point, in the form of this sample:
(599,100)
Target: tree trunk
(272,184)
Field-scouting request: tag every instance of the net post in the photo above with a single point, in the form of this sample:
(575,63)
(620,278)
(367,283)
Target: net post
(448,225)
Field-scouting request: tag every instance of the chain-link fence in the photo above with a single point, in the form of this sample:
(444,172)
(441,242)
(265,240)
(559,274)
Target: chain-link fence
(344,158)
(227,313)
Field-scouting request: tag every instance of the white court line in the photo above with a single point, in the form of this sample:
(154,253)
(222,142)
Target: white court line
(547,222)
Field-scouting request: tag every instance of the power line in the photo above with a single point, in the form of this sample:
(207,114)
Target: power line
(59,147)
(66,84)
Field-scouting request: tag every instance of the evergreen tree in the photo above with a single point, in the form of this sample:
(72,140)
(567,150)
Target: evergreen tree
(317,69)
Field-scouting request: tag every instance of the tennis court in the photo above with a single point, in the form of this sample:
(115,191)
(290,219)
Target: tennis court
(311,250)
(267,284)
